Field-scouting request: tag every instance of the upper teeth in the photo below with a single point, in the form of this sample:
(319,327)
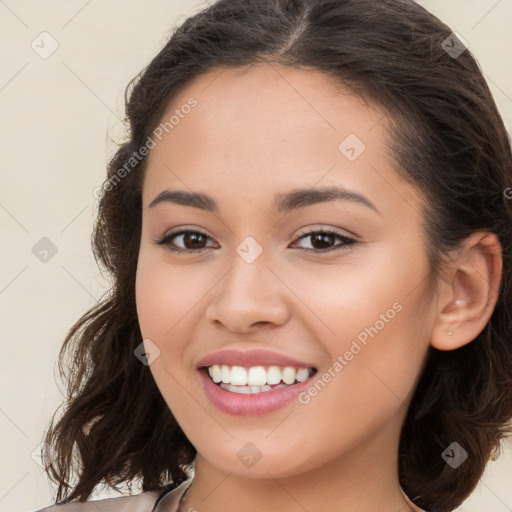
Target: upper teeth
(256,375)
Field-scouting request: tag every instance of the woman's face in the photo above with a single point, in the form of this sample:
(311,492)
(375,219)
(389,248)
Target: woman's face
(255,287)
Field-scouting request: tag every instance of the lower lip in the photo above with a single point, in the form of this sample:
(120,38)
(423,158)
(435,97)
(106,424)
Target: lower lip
(249,404)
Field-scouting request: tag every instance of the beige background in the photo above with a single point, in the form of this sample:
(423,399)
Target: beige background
(58,118)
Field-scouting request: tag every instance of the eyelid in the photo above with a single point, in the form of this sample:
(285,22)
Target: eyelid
(329,229)
(185,229)
(303,231)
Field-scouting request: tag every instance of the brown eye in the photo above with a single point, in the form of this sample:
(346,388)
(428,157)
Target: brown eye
(322,240)
(193,241)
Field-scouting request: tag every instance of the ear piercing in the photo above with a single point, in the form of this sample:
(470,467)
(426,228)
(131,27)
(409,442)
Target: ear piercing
(450,332)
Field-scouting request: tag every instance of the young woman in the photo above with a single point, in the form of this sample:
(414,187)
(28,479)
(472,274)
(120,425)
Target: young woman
(309,234)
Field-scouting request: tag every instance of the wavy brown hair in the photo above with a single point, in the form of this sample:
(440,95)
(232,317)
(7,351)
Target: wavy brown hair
(447,138)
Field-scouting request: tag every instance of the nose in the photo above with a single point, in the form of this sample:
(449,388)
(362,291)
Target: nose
(248,296)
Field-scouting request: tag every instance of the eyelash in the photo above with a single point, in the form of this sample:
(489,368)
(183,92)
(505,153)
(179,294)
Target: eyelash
(165,241)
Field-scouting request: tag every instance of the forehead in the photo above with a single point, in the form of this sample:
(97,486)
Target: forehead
(270,125)
(271,100)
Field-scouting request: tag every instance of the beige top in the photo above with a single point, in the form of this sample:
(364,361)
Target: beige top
(171,501)
(144,502)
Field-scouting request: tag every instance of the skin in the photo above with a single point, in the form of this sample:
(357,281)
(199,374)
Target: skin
(257,132)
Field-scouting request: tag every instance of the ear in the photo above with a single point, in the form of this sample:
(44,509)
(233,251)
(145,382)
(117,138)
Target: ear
(468,292)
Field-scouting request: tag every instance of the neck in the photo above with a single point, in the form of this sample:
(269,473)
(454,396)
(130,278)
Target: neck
(362,479)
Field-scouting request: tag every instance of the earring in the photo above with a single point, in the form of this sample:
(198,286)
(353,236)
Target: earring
(450,332)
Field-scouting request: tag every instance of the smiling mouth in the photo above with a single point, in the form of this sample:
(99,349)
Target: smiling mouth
(256,379)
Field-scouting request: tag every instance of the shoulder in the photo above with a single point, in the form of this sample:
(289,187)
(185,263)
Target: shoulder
(142,502)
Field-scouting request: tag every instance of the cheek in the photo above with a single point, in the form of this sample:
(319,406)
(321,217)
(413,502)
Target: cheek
(338,302)
(167,296)
(170,303)
(368,384)
(374,319)
(165,299)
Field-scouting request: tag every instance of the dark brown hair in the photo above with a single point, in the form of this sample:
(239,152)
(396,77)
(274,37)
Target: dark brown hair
(447,138)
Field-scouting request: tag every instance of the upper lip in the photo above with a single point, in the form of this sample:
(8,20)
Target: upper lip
(250,358)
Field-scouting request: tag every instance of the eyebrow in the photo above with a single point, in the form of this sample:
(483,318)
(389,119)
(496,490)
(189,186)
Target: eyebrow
(283,202)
